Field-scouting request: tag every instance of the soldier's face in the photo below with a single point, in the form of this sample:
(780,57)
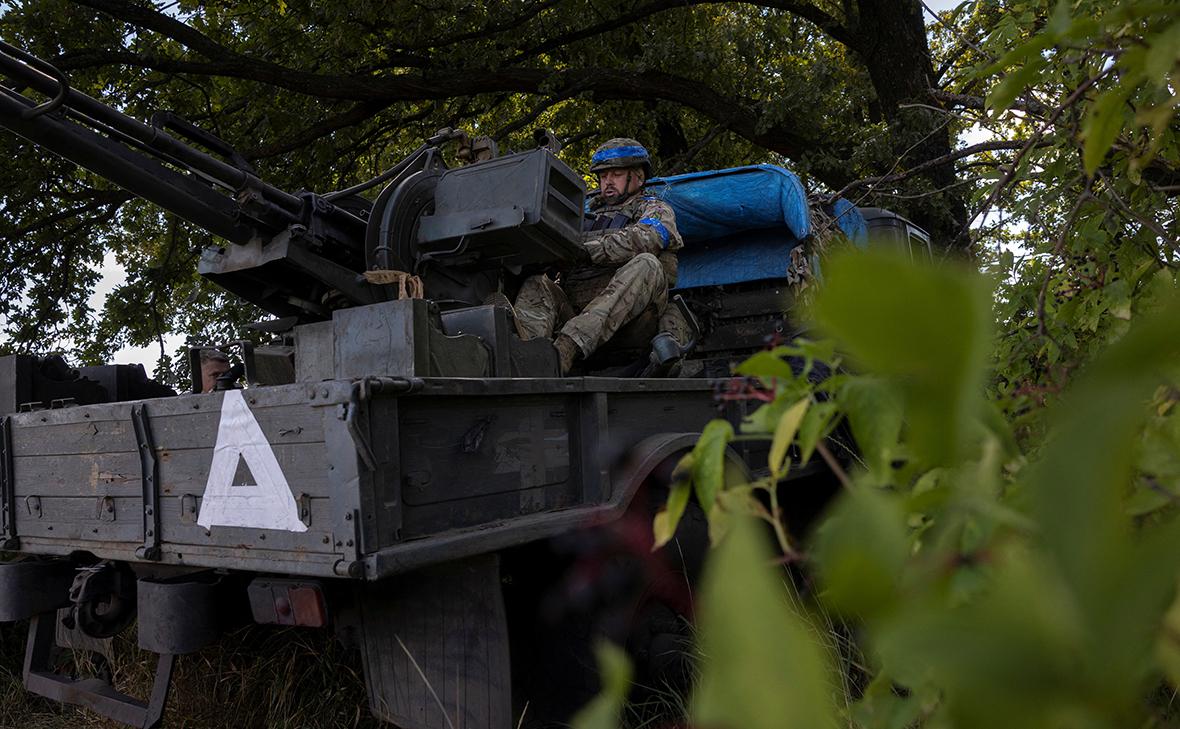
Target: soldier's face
(210,371)
(619,183)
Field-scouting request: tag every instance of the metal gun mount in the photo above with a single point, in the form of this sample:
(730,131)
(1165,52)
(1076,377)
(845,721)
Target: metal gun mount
(302,254)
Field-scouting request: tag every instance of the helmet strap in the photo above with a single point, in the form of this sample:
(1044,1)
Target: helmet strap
(631,177)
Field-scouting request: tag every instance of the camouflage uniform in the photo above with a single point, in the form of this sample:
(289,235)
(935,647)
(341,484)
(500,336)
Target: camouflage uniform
(633,264)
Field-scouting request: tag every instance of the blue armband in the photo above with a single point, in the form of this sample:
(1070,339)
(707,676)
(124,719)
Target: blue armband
(655,224)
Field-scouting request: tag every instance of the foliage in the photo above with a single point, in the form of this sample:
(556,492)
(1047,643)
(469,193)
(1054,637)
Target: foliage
(1005,544)
(989,589)
(1080,221)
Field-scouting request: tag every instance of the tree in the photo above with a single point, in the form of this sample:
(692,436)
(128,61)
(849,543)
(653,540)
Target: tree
(319,97)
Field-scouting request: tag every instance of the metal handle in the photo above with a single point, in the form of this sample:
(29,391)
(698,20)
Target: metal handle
(63,81)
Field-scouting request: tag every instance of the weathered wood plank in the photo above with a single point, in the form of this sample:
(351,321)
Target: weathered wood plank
(305,467)
(91,436)
(295,423)
(116,519)
(91,474)
(318,538)
(119,519)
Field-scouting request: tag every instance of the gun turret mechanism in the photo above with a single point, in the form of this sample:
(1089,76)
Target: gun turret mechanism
(303,254)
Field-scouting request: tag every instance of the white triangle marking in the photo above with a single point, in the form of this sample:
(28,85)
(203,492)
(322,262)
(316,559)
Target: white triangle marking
(268,504)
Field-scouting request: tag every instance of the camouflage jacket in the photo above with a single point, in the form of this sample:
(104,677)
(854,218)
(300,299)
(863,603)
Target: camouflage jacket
(649,227)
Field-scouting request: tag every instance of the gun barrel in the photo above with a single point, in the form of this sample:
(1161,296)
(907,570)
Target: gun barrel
(131,154)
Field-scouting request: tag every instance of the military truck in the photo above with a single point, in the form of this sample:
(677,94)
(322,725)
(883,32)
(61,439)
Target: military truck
(406,471)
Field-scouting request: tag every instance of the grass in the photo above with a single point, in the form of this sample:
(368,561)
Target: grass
(255,677)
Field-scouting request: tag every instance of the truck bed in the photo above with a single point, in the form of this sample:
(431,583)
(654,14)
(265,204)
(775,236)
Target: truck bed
(363,478)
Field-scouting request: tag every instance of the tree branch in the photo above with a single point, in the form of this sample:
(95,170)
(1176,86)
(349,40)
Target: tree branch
(825,22)
(968,101)
(928,164)
(355,115)
(736,114)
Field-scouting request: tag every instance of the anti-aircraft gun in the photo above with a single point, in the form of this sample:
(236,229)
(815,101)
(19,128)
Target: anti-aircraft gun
(420,478)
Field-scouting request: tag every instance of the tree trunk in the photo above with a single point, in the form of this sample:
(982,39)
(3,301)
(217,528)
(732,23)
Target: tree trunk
(890,37)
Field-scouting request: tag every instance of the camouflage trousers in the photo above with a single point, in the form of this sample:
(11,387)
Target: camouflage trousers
(542,306)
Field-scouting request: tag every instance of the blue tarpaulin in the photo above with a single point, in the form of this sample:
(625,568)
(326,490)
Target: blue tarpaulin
(754,255)
(740,224)
(850,220)
(718,203)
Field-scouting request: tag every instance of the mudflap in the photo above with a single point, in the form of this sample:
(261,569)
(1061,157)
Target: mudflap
(435,647)
(33,587)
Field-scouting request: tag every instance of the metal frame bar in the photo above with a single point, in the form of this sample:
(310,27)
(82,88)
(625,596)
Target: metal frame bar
(94,694)
(150,468)
(9,539)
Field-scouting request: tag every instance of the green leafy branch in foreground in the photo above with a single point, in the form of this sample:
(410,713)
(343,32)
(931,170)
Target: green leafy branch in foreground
(986,589)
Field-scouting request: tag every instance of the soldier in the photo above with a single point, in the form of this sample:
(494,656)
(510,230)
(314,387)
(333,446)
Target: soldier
(213,365)
(631,243)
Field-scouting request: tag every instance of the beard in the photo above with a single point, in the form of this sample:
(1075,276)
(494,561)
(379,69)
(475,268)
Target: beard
(612,197)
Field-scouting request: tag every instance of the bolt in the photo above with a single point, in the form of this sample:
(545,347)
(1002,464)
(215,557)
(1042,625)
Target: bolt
(324,392)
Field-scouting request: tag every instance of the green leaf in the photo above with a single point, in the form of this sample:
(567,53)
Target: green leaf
(995,657)
(816,425)
(1117,298)
(874,410)
(784,435)
(764,667)
(708,462)
(767,365)
(605,711)
(740,501)
(764,420)
(1167,647)
(1163,54)
(1102,125)
(1014,83)
(928,329)
(1060,20)
(859,551)
(665,522)
(883,708)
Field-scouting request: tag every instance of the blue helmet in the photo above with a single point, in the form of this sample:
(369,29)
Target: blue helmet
(619,153)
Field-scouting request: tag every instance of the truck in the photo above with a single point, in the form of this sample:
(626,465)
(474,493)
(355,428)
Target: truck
(403,469)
